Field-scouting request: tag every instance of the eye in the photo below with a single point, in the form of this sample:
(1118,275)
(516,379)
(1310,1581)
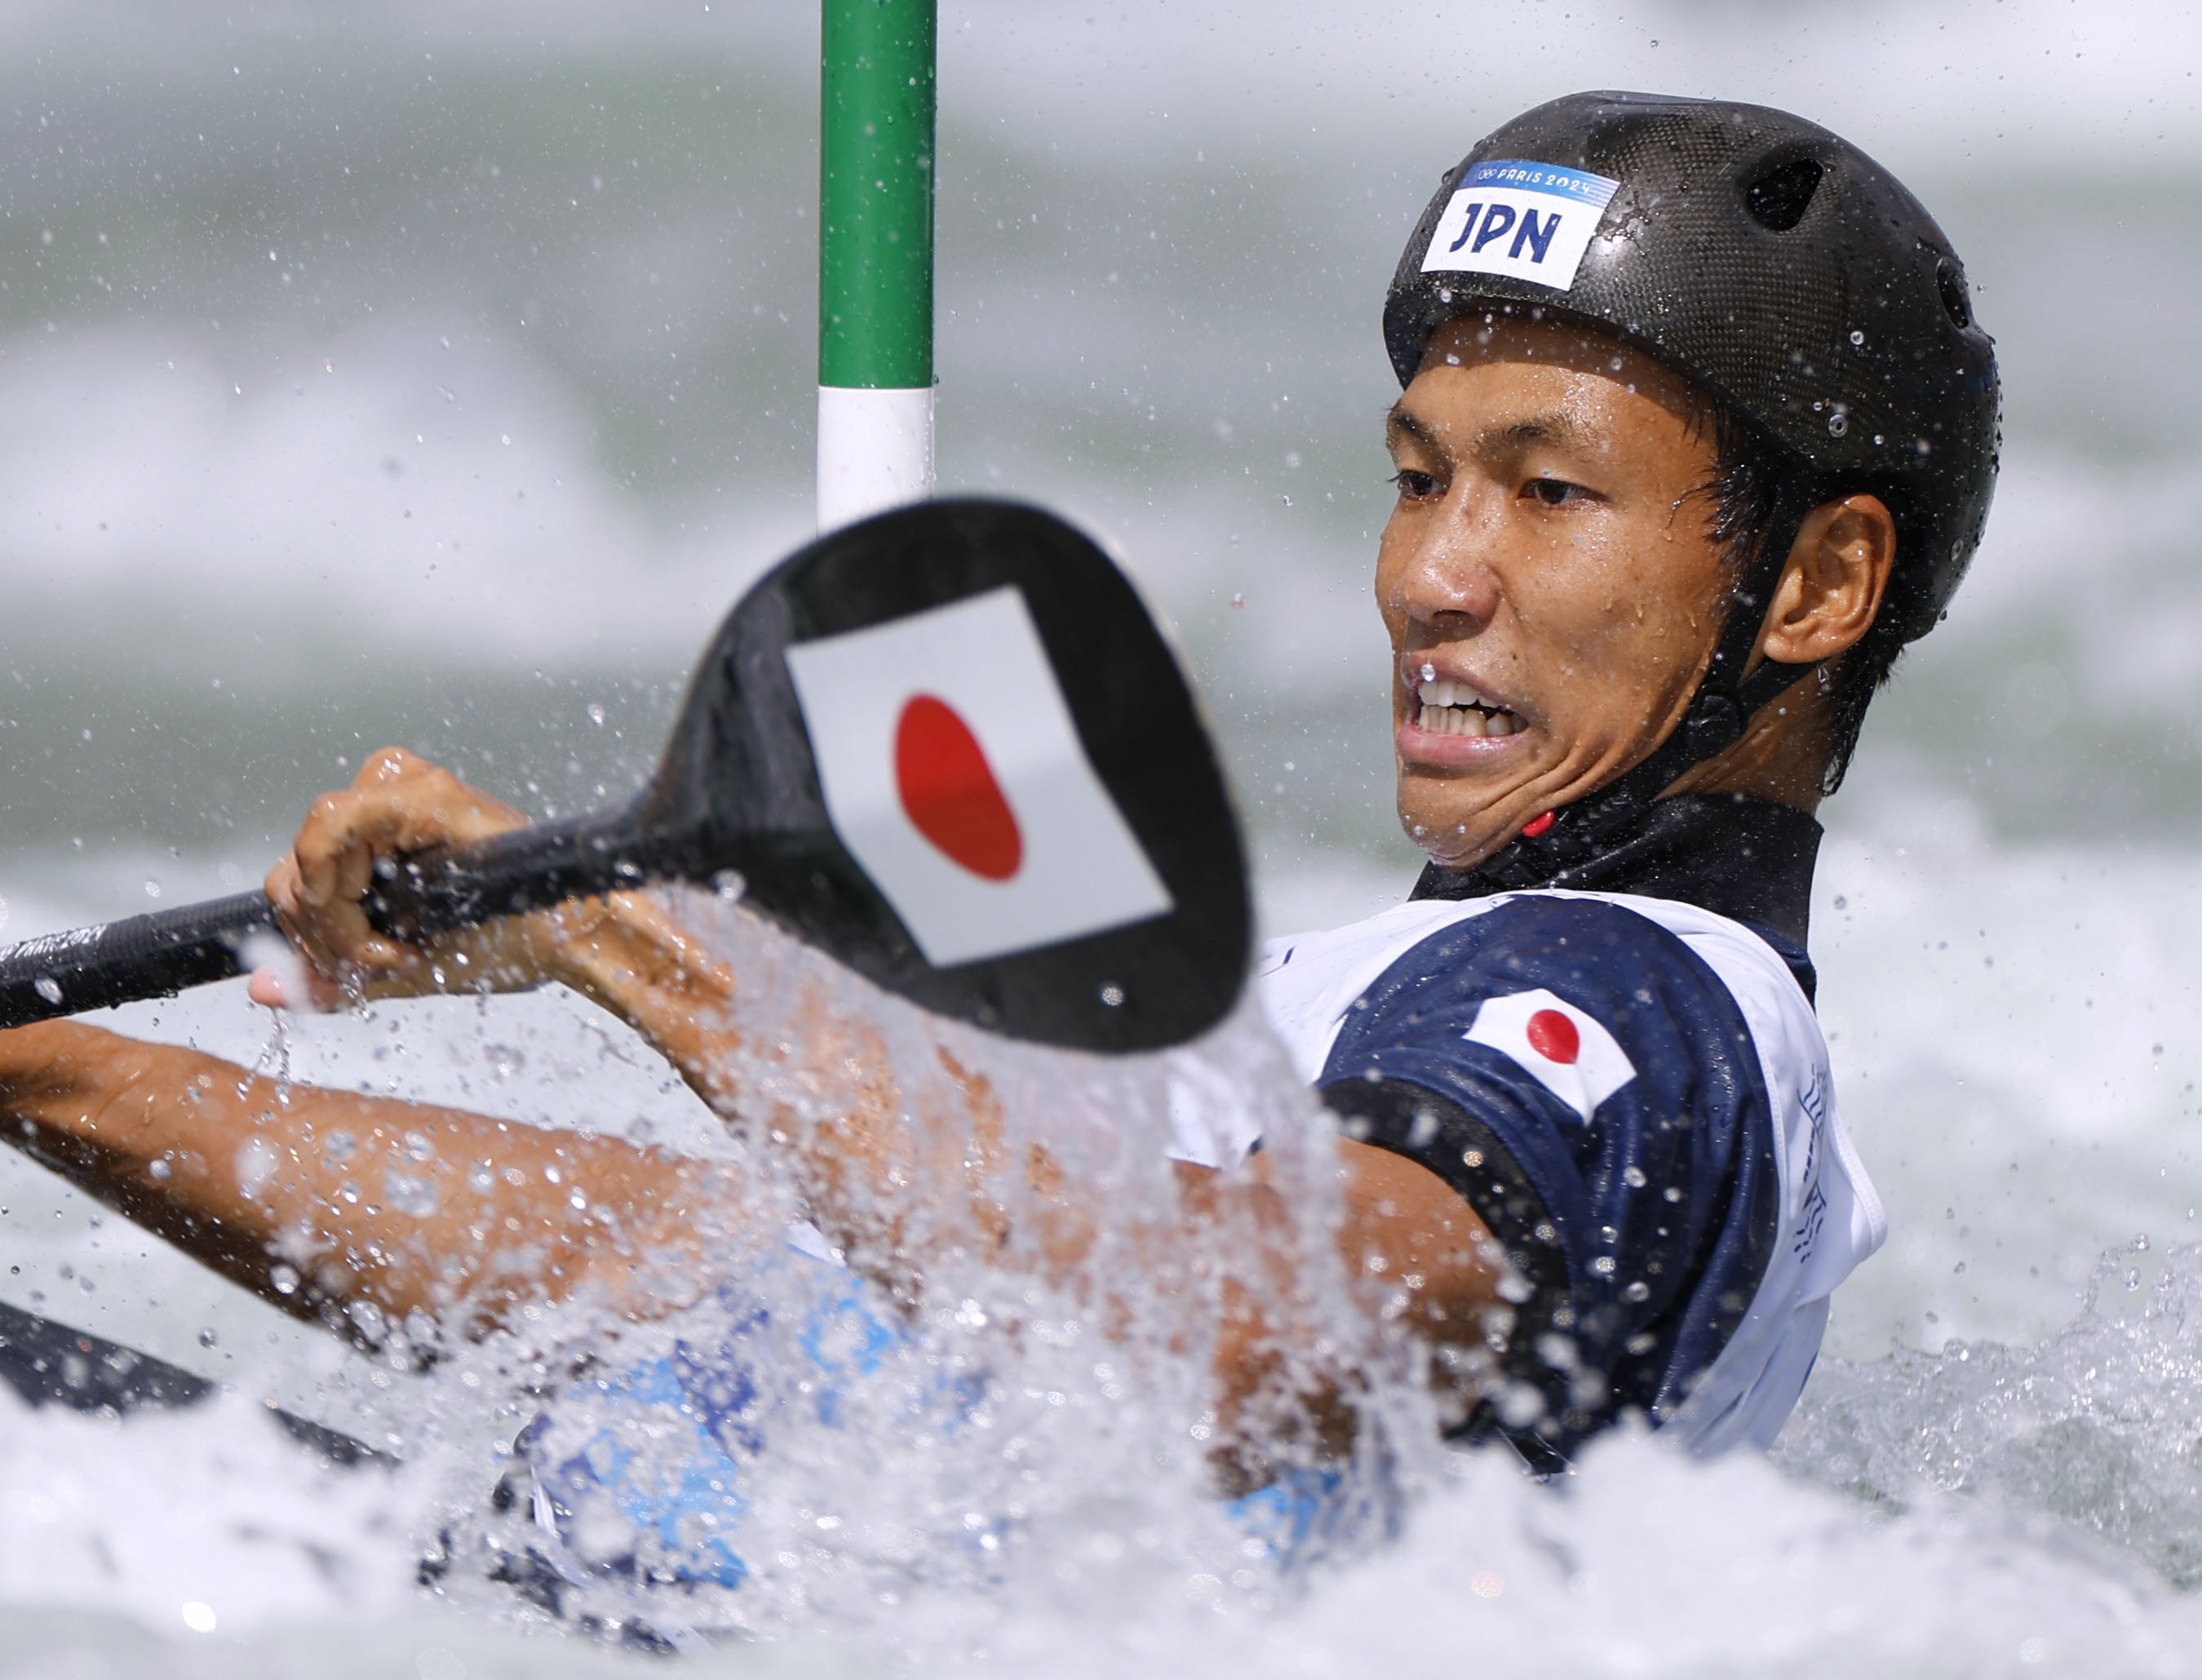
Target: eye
(1414,484)
(1554,493)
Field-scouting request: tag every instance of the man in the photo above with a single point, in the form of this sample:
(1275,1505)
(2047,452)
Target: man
(1697,432)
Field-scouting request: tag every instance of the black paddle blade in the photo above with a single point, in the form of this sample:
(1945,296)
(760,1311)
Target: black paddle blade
(949,747)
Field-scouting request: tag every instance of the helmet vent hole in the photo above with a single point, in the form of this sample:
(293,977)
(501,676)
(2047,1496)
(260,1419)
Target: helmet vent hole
(1952,285)
(1779,199)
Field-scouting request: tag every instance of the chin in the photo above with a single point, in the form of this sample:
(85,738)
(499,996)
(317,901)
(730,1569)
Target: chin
(1453,840)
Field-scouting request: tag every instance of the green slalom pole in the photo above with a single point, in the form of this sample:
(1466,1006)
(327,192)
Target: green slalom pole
(875,131)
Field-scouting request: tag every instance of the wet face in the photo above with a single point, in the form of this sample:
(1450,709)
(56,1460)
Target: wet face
(1548,576)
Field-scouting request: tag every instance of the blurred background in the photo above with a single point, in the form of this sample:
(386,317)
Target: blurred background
(439,374)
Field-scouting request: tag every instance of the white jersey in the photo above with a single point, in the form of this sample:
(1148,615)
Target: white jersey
(1657,1075)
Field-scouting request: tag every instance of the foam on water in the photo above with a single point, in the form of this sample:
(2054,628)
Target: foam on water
(1642,1563)
(888,1456)
(2015,1507)
(2098,1426)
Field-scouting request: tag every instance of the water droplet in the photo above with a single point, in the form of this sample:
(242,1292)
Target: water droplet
(410,1193)
(255,1165)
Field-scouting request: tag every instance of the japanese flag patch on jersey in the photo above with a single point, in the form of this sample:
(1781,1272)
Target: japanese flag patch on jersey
(953,772)
(1566,1051)
(1527,222)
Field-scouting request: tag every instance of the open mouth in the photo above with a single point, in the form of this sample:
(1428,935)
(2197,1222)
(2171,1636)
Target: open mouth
(1448,708)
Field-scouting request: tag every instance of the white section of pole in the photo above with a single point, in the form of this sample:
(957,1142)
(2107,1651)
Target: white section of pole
(875,451)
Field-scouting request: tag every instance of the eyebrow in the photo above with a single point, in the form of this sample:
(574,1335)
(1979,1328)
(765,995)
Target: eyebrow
(1556,429)
(1399,422)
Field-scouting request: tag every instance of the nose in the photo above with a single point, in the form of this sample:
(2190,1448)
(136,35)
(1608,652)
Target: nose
(1443,578)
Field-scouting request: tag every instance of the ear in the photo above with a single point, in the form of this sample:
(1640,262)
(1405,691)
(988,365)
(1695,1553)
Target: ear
(1832,587)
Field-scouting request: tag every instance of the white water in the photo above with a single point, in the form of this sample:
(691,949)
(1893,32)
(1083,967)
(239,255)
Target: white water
(2023,1490)
(1211,198)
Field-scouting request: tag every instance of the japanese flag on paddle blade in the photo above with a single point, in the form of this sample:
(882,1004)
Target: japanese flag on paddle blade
(953,772)
(1566,1050)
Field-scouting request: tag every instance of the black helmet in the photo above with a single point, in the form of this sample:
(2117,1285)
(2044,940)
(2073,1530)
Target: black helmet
(1771,263)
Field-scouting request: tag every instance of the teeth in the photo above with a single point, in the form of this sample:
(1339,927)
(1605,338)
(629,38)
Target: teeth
(1448,694)
(1451,708)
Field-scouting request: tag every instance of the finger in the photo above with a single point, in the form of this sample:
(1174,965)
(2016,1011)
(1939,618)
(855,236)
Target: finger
(271,989)
(336,849)
(374,950)
(300,988)
(333,826)
(387,766)
(281,885)
(352,876)
(339,925)
(336,934)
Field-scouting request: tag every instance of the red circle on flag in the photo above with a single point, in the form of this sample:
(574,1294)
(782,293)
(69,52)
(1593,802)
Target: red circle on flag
(1553,1036)
(949,792)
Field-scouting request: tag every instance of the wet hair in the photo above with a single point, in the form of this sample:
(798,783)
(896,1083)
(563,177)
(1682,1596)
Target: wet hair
(1750,475)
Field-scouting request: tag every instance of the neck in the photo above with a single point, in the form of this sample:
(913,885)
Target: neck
(1781,755)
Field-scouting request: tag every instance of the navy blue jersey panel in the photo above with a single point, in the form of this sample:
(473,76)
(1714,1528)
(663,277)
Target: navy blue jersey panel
(1664,1197)
(1793,959)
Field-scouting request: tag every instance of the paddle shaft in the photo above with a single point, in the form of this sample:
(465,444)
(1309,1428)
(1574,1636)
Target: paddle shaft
(161,954)
(52,1364)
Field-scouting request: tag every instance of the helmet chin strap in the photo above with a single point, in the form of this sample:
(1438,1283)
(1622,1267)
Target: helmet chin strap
(1718,712)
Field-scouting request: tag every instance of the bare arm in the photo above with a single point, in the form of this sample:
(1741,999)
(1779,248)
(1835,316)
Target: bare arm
(323,1201)
(619,951)
(1414,1253)
(1417,1251)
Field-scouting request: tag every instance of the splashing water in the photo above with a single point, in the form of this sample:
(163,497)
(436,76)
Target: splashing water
(2100,1426)
(806,1441)
(1989,1509)
(1009,1472)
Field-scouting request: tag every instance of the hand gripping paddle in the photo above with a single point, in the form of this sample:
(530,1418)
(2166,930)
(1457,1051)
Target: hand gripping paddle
(947,746)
